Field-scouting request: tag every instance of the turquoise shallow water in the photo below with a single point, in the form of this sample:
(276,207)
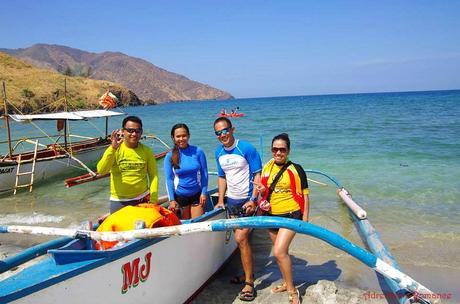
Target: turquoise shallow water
(397,153)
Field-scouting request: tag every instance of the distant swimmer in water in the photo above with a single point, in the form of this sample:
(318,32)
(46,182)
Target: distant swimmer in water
(404,165)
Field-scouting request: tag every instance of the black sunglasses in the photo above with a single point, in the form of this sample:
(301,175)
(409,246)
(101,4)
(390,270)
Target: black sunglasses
(282,150)
(223,131)
(132,130)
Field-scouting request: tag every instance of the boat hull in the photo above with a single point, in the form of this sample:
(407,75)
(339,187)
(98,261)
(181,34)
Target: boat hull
(166,270)
(46,167)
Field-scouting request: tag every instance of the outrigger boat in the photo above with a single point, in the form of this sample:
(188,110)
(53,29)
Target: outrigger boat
(167,264)
(38,162)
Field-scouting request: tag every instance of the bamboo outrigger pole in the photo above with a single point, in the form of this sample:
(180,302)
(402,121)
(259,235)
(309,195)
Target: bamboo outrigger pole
(65,109)
(7,122)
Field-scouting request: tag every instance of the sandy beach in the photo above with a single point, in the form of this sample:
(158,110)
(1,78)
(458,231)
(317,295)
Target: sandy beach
(354,282)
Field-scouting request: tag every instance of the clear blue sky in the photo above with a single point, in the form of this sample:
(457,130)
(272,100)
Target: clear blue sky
(260,48)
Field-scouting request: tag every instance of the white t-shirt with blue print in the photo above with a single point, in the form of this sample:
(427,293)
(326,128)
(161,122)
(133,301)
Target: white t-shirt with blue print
(238,164)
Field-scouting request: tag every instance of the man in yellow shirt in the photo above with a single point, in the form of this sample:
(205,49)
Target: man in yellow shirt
(132,167)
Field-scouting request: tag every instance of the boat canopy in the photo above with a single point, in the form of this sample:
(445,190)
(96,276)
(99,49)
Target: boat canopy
(75,115)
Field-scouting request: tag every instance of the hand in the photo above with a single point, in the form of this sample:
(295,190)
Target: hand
(305,217)
(203,198)
(249,207)
(116,138)
(173,206)
(219,205)
(260,187)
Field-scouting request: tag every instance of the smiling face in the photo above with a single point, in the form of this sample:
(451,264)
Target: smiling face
(132,132)
(280,151)
(224,133)
(181,138)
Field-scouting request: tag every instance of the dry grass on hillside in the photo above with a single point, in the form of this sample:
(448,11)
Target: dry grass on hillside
(33,90)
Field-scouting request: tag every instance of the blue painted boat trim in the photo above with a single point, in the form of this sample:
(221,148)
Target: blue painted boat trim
(329,237)
(72,263)
(331,178)
(31,253)
(373,241)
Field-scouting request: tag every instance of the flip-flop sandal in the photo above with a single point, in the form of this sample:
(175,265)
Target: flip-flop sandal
(246,295)
(279,288)
(293,295)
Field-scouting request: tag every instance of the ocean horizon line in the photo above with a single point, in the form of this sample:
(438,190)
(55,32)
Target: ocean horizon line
(346,94)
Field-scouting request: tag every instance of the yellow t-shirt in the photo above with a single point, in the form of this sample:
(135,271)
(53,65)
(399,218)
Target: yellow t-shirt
(281,200)
(131,170)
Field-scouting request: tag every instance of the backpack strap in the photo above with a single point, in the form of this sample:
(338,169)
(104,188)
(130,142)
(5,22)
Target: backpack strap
(277,178)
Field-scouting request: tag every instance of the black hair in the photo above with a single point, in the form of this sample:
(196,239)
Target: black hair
(229,123)
(133,119)
(283,136)
(175,152)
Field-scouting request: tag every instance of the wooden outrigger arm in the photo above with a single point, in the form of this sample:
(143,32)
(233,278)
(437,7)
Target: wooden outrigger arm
(7,122)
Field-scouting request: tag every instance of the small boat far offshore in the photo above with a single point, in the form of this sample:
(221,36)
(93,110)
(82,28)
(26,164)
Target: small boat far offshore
(231,114)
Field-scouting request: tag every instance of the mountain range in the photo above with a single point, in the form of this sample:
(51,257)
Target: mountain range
(149,82)
(29,89)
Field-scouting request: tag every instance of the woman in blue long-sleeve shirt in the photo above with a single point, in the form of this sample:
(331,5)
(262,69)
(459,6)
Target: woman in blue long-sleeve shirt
(186,174)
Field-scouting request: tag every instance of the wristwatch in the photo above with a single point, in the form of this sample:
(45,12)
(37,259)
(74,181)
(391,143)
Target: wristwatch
(253,199)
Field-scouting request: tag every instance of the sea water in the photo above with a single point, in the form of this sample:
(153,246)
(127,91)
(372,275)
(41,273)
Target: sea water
(397,153)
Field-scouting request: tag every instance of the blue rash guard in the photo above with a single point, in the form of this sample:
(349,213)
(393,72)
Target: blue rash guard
(192,176)
(238,164)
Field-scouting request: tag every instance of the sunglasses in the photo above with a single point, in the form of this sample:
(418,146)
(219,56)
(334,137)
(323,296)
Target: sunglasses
(223,131)
(132,130)
(282,150)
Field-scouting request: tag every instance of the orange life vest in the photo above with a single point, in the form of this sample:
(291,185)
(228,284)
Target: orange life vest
(125,219)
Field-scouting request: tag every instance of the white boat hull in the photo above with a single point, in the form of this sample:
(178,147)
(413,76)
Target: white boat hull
(170,270)
(47,167)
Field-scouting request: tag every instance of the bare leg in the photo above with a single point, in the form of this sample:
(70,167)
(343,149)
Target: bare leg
(196,211)
(242,239)
(281,241)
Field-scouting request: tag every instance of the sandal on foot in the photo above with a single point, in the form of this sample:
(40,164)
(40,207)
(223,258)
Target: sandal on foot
(246,295)
(279,288)
(294,297)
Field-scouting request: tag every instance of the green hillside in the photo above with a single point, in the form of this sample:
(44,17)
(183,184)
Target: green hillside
(33,90)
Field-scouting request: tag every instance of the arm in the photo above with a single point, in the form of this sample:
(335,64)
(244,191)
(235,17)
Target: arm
(255,167)
(250,206)
(105,164)
(306,210)
(169,177)
(305,191)
(204,177)
(153,176)
(222,185)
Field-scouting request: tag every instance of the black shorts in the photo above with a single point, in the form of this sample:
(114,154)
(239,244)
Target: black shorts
(297,215)
(185,201)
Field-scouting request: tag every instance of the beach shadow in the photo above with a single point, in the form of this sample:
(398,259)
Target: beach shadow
(304,275)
